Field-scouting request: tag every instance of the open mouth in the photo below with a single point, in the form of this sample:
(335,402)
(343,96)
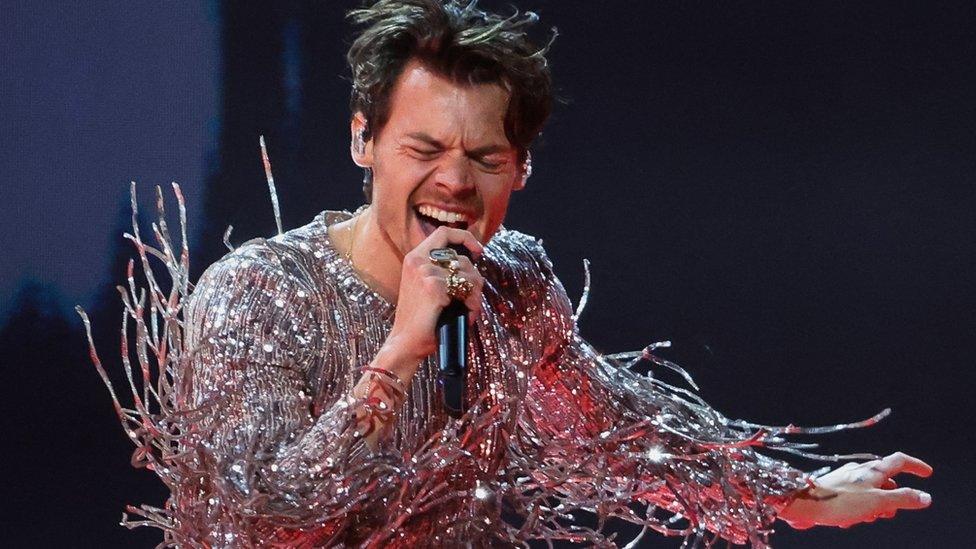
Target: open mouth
(431,218)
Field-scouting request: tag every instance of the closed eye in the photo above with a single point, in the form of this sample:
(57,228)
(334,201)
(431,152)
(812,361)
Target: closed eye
(427,154)
(489,164)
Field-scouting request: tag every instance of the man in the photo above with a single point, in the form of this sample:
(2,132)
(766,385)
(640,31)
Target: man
(305,411)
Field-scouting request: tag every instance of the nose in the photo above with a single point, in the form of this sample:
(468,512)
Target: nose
(454,174)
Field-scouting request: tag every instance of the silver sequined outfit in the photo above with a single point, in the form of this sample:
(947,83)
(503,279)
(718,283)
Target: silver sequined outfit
(256,438)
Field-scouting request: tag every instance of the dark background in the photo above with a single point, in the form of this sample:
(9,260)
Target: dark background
(783,190)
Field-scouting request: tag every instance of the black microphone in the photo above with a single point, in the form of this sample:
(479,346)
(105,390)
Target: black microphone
(452,350)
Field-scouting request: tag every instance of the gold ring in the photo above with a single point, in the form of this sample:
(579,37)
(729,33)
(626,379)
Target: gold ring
(458,287)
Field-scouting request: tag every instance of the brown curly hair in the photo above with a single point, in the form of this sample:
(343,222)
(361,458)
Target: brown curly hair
(459,41)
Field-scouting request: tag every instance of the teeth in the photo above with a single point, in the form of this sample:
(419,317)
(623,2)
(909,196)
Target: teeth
(440,215)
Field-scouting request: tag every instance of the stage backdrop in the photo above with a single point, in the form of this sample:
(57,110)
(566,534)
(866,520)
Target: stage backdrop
(784,191)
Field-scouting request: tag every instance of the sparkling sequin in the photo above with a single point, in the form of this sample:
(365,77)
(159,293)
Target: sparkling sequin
(555,426)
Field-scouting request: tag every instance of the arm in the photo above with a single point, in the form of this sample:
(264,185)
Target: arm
(238,412)
(633,440)
(262,446)
(258,356)
(223,411)
(639,439)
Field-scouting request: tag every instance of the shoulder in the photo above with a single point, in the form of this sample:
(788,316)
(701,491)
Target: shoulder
(515,241)
(262,269)
(517,262)
(257,302)
(284,256)
(524,289)
(518,253)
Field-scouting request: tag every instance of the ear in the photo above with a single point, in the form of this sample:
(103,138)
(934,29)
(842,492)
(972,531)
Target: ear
(523,172)
(361,150)
(519,181)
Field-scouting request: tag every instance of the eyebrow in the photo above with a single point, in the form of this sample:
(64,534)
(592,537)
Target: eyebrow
(480,151)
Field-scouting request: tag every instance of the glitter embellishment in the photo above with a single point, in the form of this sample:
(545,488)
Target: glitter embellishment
(270,448)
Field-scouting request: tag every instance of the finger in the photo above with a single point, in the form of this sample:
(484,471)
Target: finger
(902,463)
(466,266)
(443,236)
(889,485)
(473,314)
(902,498)
(469,272)
(437,288)
(473,301)
(467,269)
(869,473)
(430,270)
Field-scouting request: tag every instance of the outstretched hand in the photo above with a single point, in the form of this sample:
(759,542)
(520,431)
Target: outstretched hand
(858,492)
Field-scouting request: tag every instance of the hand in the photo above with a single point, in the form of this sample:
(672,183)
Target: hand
(423,294)
(858,492)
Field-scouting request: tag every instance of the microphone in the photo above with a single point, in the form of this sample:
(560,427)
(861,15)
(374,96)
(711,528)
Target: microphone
(452,350)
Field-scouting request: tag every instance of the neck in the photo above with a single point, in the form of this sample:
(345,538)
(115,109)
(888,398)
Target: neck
(375,258)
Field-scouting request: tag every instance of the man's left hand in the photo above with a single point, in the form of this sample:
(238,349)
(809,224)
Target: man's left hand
(858,492)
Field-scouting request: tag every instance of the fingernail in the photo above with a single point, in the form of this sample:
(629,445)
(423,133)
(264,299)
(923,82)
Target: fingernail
(925,498)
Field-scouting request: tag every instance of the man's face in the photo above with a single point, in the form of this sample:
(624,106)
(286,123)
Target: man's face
(441,158)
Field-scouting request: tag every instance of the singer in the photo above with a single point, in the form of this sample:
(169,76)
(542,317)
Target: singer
(302,405)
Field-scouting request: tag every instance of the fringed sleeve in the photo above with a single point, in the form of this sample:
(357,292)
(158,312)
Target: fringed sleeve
(225,404)
(603,438)
(262,458)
